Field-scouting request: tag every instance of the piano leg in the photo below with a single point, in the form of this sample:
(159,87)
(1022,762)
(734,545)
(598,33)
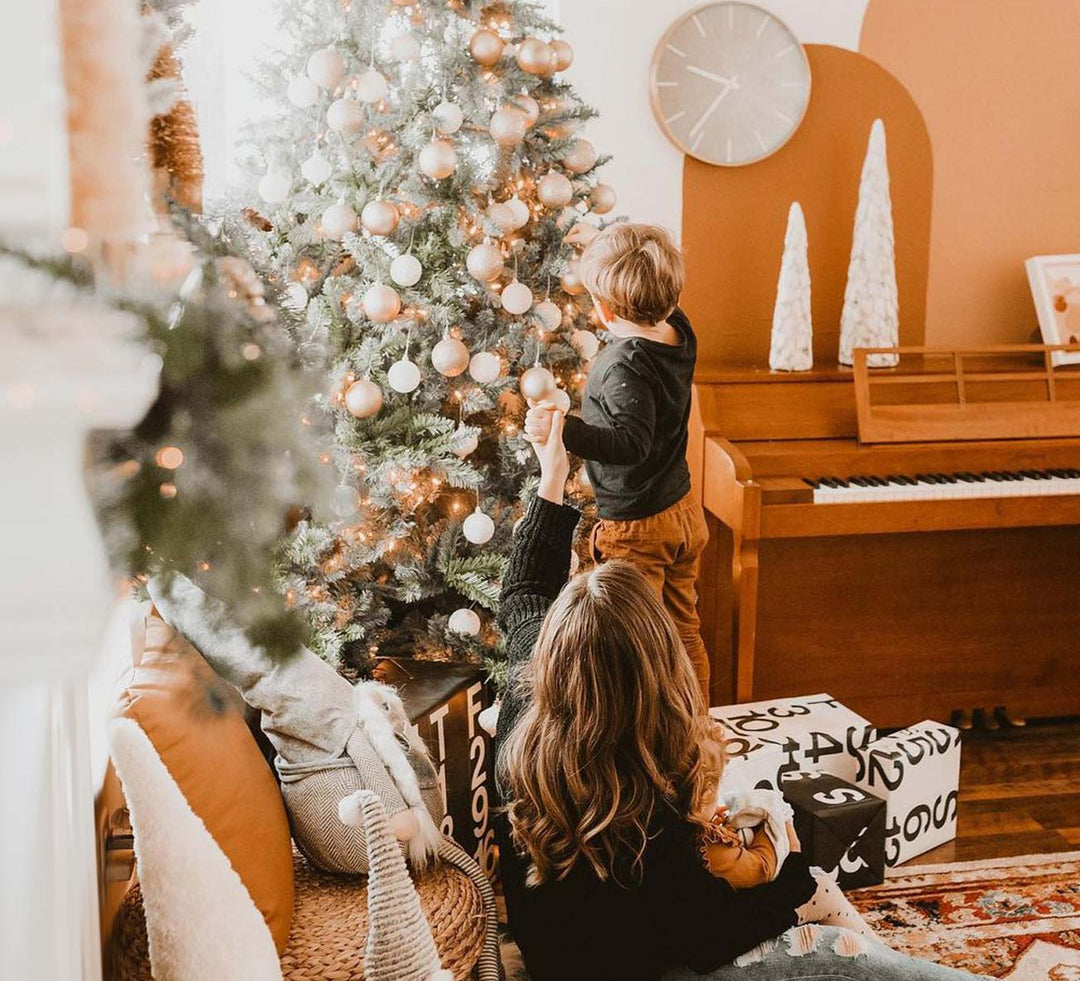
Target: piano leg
(745,579)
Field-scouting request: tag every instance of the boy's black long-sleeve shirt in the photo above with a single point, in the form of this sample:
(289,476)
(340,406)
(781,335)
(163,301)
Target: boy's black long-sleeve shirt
(581,927)
(632,428)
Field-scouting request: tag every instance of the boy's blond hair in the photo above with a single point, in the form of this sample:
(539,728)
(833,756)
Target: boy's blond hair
(636,270)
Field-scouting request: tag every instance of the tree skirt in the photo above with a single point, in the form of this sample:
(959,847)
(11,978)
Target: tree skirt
(1016,918)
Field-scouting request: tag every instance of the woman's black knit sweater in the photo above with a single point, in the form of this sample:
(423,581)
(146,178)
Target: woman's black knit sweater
(580,927)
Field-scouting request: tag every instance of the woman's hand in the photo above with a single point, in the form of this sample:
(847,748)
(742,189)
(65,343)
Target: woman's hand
(554,463)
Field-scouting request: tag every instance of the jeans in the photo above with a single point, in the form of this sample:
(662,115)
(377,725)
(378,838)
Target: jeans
(817,953)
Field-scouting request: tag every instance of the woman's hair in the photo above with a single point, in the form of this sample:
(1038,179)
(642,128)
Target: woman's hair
(636,270)
(615,730)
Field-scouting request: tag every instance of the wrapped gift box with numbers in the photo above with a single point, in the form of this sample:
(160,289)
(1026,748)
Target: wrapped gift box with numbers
(751,765)
(443,701)
(841,827)
(917,772)
(813,732)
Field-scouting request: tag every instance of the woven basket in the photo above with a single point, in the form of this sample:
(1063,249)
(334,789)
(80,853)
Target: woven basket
(330,924)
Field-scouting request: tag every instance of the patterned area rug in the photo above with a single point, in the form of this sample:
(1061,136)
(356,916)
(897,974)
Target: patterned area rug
(1016,918)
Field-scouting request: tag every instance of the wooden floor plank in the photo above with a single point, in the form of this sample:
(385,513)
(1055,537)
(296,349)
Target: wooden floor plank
(1019,794)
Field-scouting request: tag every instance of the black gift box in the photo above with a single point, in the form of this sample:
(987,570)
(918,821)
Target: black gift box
(443,701)
(840,826)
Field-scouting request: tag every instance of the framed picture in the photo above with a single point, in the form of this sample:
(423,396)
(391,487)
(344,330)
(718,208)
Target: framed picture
(1055,287)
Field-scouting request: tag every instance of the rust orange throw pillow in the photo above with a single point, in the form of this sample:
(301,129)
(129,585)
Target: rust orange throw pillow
(196,723)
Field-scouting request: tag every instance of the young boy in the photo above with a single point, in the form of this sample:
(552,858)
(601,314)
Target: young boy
(632,430)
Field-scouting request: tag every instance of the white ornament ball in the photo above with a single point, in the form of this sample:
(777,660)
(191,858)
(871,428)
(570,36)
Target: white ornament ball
(466,441)
(586,343)
(274,187)
(295,298)
(406,270)
(485,367)
(536,383)
(517,298)
(560,399)
(521,211)
(338,220)
(478,527)
(363,398)
(488,719)
(464,622)
(381,303)
(502,216)
(486,47)
(326,68)
(581,156)
(484,262)
(302,92)
(438,159)
(404,376)
(507,126)
(555,190)
(316,169)
(345,116)
(371,86)
(447,117)
(602,198)
(405,47)
(379,217)
(535,57)
(345,501)
(563,54)
(528,107)
(450,357)
(549,314)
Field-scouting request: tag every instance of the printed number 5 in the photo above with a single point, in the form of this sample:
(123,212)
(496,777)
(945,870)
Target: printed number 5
(839,795)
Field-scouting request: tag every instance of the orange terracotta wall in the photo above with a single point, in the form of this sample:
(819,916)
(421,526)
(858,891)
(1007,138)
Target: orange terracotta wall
(999,86)
(734,219)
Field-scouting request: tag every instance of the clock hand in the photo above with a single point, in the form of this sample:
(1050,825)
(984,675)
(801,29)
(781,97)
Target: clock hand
(711,76)
(733,84)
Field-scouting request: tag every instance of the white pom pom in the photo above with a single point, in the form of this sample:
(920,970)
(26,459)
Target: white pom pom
(404,825)
(442,975)
(349,811)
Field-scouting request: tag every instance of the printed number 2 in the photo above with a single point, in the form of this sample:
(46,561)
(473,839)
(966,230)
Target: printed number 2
(839,795)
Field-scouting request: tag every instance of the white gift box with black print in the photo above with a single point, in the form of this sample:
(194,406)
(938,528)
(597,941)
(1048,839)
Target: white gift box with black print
(750,764)
(812,732)
(917,772)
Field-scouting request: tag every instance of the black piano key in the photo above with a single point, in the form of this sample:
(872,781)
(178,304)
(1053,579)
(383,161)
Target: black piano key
(946,478)
(1033,474)
(967,478)
(993,475)
(860,481)
(812,482)
(830,482)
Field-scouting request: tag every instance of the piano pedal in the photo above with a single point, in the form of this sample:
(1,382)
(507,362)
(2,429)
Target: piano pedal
(960,720)
(981,719)
(1001,714)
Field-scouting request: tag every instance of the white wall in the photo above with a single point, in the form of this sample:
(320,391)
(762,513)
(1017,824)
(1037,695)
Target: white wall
(613,43)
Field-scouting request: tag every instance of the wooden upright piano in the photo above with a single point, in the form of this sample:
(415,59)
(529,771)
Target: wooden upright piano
(907,539)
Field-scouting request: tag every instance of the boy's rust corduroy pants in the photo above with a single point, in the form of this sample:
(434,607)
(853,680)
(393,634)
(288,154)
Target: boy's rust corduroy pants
(667,548)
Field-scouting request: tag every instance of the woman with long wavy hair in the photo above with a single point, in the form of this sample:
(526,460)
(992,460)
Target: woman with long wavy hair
(608,764)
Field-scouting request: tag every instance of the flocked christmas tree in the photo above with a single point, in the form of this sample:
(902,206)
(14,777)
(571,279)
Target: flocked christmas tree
(871,311)
(421,197)
(791,348)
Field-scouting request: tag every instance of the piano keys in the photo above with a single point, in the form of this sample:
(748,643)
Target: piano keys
(908,578)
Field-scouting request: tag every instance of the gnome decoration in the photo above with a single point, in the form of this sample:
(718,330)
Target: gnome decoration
(792,330)
(871,309)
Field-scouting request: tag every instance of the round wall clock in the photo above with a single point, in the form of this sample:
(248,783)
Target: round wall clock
(730,83)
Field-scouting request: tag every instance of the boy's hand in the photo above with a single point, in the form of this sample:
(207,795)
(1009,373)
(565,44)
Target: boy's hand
(538,421)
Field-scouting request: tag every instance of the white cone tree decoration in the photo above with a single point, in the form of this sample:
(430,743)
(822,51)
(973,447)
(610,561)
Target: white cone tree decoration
(871,309)
(792,331)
